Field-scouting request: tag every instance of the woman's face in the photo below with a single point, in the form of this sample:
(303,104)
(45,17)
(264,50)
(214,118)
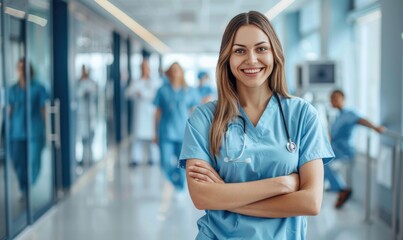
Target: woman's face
(21,70)
(175,72)
(251,59)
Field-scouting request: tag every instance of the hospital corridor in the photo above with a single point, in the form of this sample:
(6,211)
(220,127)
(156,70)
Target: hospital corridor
(201,119)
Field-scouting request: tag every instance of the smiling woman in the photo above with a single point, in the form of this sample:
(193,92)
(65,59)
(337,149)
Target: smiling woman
(258,189)
(251,61)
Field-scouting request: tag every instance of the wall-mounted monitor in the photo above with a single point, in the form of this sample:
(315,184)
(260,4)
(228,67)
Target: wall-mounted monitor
(318,74)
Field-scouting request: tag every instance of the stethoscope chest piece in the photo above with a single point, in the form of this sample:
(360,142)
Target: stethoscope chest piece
(291,146)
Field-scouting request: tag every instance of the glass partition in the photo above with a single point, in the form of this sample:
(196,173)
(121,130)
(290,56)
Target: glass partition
(91,54)
(3,216)
(16,111)
(41,162)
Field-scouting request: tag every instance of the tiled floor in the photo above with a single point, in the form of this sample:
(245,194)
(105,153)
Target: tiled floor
(114,201)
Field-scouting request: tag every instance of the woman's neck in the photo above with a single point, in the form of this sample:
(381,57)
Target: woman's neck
(176,83)
(256,98)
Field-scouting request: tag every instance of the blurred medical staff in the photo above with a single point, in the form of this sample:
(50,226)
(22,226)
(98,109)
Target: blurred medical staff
(205,90)
(143,91)
(86,94)
(174,102)
(341,135)
(19,107)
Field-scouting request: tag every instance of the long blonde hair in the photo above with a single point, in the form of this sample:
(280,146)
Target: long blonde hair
(227,105)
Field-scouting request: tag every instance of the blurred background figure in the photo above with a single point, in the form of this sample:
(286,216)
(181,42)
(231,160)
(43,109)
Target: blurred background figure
(341,136)
(205,90)
(143,91)
(174,102)
(17,100)
(86,113)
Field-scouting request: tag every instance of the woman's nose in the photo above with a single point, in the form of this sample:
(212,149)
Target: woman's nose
(252,59)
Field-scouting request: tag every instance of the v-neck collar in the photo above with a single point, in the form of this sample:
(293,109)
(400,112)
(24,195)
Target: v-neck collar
(264,118)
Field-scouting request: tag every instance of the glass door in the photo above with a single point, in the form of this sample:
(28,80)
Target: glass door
(3,215)
(16,114)
(41,177)
(90,60)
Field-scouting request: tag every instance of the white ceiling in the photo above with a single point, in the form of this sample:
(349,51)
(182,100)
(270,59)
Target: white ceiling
(189,26)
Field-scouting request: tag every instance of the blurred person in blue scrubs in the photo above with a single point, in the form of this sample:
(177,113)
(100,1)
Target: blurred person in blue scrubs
(254,158)
(174,102)
(206,92)
(341,135)
(143,91)
(18,132)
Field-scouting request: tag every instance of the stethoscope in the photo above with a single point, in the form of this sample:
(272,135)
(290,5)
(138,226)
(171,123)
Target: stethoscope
(290,146)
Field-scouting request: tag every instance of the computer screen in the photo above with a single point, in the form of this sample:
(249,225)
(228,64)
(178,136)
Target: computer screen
(321,73)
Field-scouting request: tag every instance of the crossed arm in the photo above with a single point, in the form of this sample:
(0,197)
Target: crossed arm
(279,197)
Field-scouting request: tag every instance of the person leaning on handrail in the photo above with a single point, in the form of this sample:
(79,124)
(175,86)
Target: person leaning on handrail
(340,135)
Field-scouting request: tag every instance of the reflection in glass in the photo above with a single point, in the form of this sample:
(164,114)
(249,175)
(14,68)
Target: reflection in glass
(41,161)
(91,51)
(3,224)
(16,124)
(86,91)
(17,146)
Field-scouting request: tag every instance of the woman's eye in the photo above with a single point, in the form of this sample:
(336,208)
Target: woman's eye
(239,51)
(262,49)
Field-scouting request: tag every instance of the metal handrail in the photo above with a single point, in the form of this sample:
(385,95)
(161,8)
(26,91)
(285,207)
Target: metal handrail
(397,170)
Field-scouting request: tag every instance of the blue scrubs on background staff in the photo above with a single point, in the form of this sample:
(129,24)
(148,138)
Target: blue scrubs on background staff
(174,101)
(18,132)
(341,136)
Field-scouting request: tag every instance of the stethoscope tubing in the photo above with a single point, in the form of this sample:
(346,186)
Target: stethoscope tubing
(290,146)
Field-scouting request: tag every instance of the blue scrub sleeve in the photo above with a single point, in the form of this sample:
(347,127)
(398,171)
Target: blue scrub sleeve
(194,98)
(354,117)
(314,141)
(43,96)
(157,99)
(11,96)
(195,143)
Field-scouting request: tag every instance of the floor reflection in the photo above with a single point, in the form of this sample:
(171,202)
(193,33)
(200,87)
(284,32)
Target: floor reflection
(114,201)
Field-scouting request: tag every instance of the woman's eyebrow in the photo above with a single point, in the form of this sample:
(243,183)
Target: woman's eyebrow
(241,45)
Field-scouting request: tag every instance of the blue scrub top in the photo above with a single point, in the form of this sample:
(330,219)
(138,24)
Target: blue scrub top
(205,91)
(175,106)
(341,133)
(268,158)
(18,120)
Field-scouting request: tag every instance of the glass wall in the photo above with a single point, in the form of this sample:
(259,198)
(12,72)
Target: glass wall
(40,151)
(367,85)
(3,216)
(16,112)
(91,54)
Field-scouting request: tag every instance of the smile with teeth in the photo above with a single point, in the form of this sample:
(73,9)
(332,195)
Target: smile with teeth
(252,70)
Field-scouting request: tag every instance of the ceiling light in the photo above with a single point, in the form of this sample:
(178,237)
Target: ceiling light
(15,12)
(278,8)
(38,20)
(134,26)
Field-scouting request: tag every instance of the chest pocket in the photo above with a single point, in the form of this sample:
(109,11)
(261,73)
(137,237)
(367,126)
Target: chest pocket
(235,143)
